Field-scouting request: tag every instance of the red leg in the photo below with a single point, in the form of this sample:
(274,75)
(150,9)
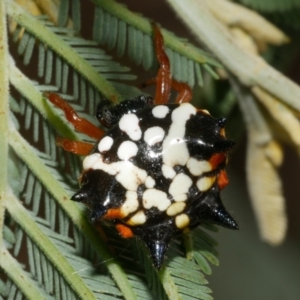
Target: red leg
(80,124)
(184,91)
(163,78)
(76,147)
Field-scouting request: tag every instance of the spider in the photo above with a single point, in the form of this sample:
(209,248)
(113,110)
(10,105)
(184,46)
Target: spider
(158,169)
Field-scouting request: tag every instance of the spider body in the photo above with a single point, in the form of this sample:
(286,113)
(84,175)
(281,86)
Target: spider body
(159,168)
(109,115)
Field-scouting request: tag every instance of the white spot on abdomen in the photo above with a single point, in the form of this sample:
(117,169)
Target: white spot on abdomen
(154,135)
(198,167)
(168,171)
(127,174)
(182,221)
(131,203)
(156,198)
(175,208)
(160,111)
(130,124)
(91,160)
(180,187)
(127,150)
(175,151)
(205,183)
(130,176)
(138,219)
(105,144)
(149,182)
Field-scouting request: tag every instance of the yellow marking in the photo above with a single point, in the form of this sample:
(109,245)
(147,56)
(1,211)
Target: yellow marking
(182,221)
(138,219)
(176,208)
(205,183)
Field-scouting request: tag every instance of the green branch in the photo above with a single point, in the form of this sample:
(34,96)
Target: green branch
(62,49)
(28,155)
(13,269)
(4,112)
(143,24)
(22,217)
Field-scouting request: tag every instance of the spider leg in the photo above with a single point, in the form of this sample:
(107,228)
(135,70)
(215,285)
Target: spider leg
(163,78)
(80,124)
(76,147)
(184,91)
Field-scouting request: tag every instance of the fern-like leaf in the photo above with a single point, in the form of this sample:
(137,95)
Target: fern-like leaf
(65,256)
(272,6)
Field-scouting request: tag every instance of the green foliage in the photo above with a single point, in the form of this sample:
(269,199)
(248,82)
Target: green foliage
(272,5)
(49,250)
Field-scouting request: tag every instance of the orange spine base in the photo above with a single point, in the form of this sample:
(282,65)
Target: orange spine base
(217,159)
(113,213)
(223,180)
(124,231)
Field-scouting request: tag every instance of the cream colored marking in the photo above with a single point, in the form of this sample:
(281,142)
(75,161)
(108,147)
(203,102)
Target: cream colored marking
(168,171)
(205,183)
(180,197)
(130,124)
(138,219)
(160,111)
(175,151)
(182,221)
(131,203)
(198,167)
(105,144)
(127,150)
(180,185)
(154,135)
(205,111)
(129,175)
(149,182)
(175,208)
(156,198)
(90,160)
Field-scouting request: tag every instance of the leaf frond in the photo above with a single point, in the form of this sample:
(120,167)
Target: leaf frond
(113,22)
(66,257)
(272,5)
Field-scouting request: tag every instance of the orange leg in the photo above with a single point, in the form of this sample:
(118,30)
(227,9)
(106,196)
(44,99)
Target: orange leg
(163,78)
(80,124)
(184,91)
(76,147)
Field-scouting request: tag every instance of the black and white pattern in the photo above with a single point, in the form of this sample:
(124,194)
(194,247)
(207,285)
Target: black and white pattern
(153,165)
